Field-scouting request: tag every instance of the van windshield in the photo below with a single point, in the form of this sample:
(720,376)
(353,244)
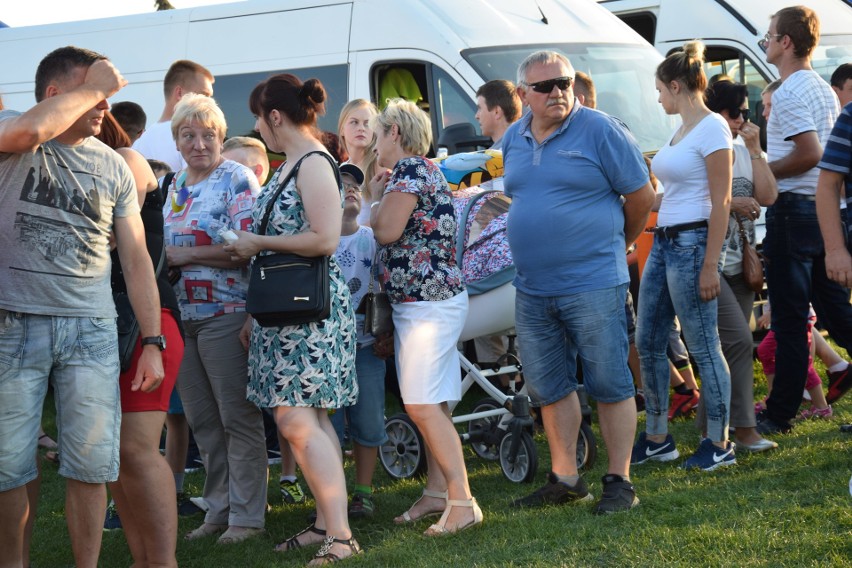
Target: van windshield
(831,52)
(623,77)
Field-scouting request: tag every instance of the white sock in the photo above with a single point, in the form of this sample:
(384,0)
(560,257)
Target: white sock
(838,367)
(288,478)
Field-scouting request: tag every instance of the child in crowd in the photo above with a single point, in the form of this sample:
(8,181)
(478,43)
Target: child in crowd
(813,385)
(365,420)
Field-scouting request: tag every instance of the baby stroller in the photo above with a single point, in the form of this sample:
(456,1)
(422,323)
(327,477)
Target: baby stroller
(499,428)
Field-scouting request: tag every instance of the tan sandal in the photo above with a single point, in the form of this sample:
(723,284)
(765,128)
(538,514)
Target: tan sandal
(238,534)
(440,528)
(206,529)
(406,517)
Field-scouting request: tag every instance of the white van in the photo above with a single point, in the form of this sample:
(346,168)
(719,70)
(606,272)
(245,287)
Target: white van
(731,29)
(447,48)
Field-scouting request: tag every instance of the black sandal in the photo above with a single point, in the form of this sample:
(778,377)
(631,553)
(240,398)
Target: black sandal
(293,543)
(325,556)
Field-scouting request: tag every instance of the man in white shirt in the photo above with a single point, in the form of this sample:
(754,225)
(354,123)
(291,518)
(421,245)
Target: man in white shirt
(157,142)
(804,109)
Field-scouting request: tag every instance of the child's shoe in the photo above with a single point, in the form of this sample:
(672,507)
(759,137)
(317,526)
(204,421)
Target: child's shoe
(814,412)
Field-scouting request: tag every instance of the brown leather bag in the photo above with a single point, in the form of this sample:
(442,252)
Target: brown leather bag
(752,264)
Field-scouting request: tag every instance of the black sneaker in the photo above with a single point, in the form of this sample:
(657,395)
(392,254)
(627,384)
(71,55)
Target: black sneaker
(618,495)
(185,507)
(111,521)
(768,426)
(554,492)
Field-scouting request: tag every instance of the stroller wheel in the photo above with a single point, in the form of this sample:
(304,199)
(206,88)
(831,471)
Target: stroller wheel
(404,454)
(488,447)
(525,464)
(587,447)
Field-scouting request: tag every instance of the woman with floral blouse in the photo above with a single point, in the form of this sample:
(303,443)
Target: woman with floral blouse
(415,223)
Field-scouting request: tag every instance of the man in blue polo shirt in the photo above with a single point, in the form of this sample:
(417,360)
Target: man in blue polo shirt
(835,176)
(580,195)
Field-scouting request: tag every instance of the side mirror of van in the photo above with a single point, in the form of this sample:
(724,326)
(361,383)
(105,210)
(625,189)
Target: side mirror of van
(462,137)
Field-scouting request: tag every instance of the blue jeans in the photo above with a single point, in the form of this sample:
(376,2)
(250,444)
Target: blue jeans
(80,357)
(366,418)
(796,276)
(670,287)
(555,330)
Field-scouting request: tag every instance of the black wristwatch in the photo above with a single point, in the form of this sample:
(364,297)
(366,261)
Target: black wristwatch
(158,340)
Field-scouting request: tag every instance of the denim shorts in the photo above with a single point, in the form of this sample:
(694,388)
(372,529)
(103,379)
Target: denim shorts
(555,330)
(79,355)
(365,420)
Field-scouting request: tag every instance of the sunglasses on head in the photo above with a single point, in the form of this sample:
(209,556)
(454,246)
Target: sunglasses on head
(561,83)
(735,113)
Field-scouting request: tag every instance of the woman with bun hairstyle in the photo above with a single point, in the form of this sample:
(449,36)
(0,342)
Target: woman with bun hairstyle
(301,371)
(681,277)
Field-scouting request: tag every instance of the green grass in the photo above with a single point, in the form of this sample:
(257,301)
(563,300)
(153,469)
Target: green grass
(790,507)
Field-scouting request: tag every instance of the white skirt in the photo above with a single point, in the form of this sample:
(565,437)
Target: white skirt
(427,360)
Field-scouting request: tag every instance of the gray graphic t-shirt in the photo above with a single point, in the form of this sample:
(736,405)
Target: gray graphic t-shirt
(56,212)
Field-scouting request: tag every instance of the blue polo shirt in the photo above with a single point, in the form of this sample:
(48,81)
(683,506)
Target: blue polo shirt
(838,150)
(566,222)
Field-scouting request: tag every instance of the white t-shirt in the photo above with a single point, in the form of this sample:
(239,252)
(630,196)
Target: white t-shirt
(683,172)
(803,103)
(157,143)
(355,255)
(743,186)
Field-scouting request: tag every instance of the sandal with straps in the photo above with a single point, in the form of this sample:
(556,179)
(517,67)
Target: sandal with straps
(406,517)
(293,543)
(440,528)
(325,556)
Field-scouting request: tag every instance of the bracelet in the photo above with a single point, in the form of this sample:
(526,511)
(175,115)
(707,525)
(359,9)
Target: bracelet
(759,156)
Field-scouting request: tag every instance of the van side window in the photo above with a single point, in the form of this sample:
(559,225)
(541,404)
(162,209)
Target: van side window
(232,93)
(643,23)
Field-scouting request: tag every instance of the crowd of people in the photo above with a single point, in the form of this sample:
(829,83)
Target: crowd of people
(180,243)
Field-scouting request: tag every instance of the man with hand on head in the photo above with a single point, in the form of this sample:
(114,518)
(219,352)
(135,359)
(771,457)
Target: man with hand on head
(63,194)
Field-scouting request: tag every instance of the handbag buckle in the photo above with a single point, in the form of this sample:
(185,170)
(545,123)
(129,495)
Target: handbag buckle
(301,298)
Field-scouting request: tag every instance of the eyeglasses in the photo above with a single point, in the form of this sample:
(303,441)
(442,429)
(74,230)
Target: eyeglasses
(764,43)
(735,113)
(561,83)
(352,187)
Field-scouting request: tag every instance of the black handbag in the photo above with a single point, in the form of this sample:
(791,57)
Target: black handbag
(286,288)
(376,307)
(126,322)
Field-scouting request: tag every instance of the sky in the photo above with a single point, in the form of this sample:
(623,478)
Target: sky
(34,12)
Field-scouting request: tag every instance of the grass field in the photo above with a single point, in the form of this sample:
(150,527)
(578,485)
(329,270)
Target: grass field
(789,507)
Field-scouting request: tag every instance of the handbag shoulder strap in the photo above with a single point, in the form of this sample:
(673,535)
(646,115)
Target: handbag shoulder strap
(292,174)
(743,238)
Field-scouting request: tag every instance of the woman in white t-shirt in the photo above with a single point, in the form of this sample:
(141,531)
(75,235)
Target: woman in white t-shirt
(359,142)
(753,186)
(681,276)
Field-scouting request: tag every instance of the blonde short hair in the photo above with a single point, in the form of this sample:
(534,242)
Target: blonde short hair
(415,131)
(202,110)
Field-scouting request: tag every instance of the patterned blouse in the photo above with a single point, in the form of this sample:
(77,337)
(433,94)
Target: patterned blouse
(421,265)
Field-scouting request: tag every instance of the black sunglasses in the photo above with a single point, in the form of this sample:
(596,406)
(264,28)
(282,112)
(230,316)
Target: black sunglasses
(735,113)
(561,83)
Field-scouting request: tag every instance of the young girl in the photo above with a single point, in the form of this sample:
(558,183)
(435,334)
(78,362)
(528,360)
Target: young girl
(813,385)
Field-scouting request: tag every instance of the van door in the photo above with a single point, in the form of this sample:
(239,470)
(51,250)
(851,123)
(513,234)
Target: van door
(417,76)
